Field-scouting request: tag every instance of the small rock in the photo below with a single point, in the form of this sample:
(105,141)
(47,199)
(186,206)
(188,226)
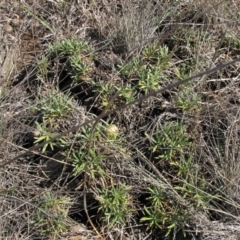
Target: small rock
(8,28)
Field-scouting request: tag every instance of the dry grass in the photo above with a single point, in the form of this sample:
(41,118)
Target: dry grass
(165,167)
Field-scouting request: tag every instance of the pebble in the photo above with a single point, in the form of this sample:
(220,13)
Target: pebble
(8,28)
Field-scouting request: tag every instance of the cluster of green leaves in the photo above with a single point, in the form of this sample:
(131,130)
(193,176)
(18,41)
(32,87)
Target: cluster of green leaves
(94,148)
(53,106)
(80,67)
(146,72)
(157,55)
(79,57)
(127,92)
(43,68)
(172,147)
(86,157)
(50,216)
(128,70)
(107,90)
(115,205)
(70,47)
(170,141)
(142,73)
(232,42)
(49,139)
(83,157)
(149,79)
(185,69)
(187,99)
(89,161)
(163,212)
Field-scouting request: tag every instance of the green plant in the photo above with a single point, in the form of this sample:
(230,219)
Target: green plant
(231,40)
(50,217)
(185,166)
(43,65)
(130,68)
(105,90)
(151,52)
(78,55)
(42,134)
(87,156)
(115,204)
(163,212)
(170,142)
(158,56)
(188,99)
(70,47)
(127,92)
(194,192)
(95,148)
(89,161)
(191,183)
(149,79)
(184,70)
(55,105)
(79,68)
